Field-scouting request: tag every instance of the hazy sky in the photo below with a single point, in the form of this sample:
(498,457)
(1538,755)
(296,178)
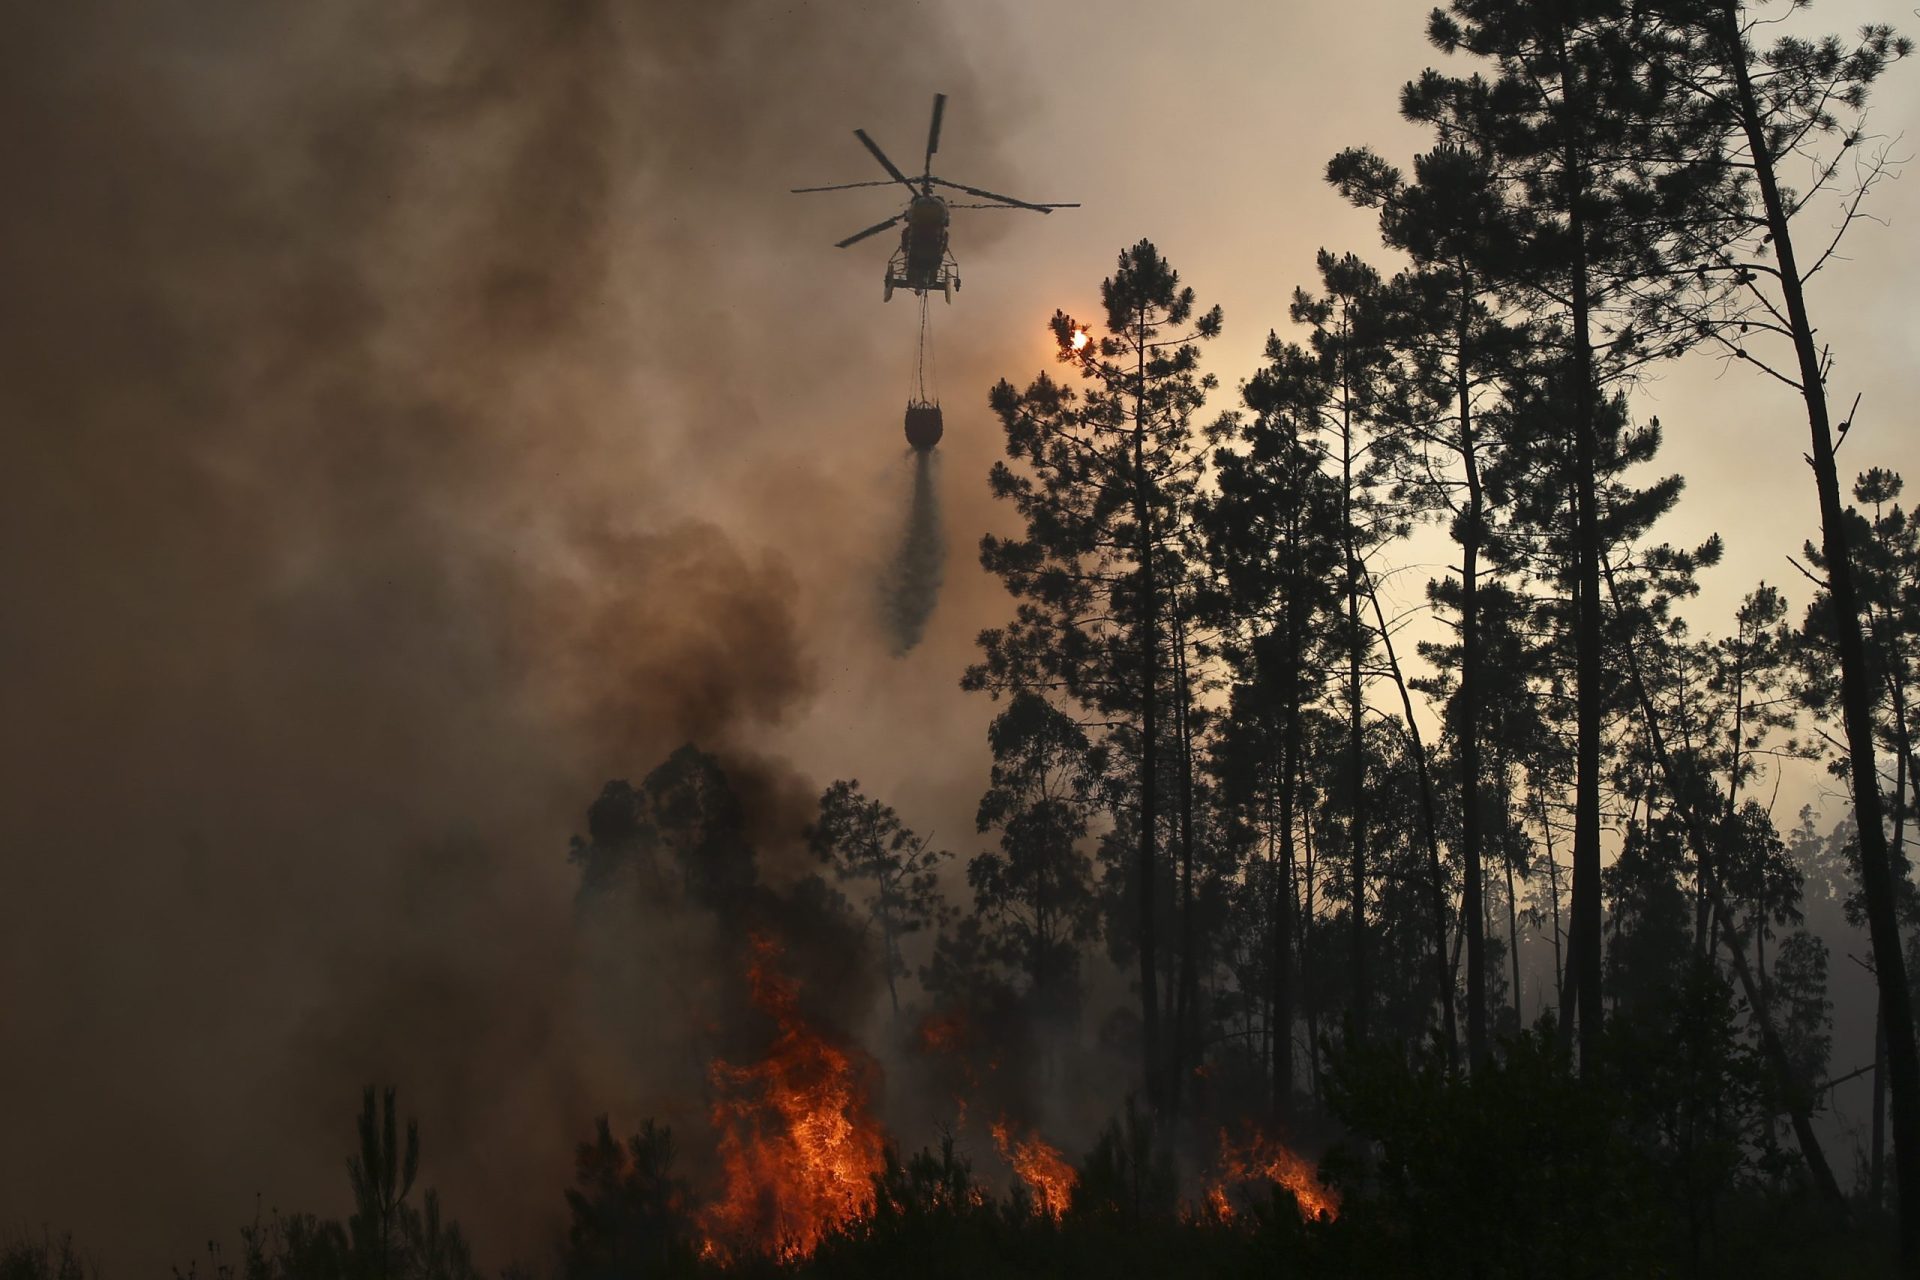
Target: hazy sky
(426,412)
(1207,130)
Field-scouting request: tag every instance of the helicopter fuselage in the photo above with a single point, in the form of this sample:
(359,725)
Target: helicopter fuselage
(922,261)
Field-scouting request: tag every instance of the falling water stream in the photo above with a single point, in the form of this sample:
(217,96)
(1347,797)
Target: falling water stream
(910,586)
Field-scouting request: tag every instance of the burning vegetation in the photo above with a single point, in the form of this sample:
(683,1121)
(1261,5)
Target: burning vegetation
(1245,1169)
(1040,1168)
(797,1138)
(794,1155)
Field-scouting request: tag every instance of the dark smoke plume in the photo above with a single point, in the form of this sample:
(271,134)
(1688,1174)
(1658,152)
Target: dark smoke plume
(911,587)
(393,395)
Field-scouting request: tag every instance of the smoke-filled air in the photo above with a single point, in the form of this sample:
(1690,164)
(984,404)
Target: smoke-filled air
(1355,721)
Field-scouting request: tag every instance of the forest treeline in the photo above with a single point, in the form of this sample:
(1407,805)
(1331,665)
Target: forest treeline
(1304,852)
(1214,764)
(1202,669)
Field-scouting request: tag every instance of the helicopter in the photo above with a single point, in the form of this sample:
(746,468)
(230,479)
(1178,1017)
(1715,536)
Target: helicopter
(923,263)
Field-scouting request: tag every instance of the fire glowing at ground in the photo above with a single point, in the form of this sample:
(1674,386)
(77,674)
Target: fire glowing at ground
(1041,1167)
(942,1033)
(1267,1159)
(948,1035)
(798,1142)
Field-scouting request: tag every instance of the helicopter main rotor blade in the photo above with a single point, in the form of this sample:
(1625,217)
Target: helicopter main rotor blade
(843,186)
(881,156)
(933,134)
(873,230)
(1008,208)
(1007,200)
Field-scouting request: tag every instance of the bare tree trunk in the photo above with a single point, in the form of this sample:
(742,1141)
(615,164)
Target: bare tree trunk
(1469,727)
(1553,894)
(1184,1036)
(1436,879)
(1280,980)
(893,991)
(1283,1015)
(1876,874)
(1791,1090)
(1356,746)
(1513,945)
(1877,1161)
(1306,980)
(1287,940)
(1586,802)
(1269,1001)
(1146,867)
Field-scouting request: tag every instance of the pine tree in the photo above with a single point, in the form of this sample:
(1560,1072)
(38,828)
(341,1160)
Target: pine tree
(1035,896)
(1449,324)
(630,1214)
(1598,154)
(1785,107)
(1346,383)
(1272,541)
(1739,860)
(864,840)
(1103,480)
(382,1174)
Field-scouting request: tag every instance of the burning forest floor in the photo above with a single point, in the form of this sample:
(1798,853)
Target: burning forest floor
(942,1142)
(1515,1171)
(805,1163)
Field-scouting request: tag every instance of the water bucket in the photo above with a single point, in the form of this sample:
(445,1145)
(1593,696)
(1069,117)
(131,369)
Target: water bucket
(924,427)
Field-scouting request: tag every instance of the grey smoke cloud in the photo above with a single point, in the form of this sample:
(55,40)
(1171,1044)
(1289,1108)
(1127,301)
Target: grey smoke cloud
(409,428)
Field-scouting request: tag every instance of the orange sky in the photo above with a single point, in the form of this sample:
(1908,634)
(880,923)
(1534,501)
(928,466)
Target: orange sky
(1207,131)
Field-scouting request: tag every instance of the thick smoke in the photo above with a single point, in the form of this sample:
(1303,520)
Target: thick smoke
(911,587)
(403,403)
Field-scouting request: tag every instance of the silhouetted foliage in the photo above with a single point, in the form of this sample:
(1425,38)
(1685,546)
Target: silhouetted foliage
(685,820)
(386,1237)
(630,1213)
(48,1258)
(1035,895)
(864,840)
(1515,1170)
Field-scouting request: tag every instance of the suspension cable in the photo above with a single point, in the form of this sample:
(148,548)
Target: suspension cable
(925,371)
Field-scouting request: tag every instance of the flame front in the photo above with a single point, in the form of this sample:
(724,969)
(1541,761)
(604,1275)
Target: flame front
(798,1143)
(1041,1167)
(1263,1158)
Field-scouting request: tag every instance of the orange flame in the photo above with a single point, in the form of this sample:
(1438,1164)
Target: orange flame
(949,1035)
(798,1144)
(1263,1158)
(1041,1167)
(942,1032)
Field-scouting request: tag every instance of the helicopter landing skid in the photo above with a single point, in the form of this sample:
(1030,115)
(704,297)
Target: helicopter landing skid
(945,282)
